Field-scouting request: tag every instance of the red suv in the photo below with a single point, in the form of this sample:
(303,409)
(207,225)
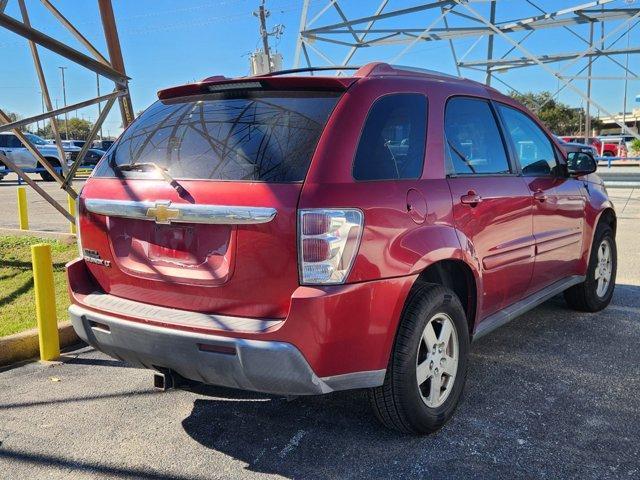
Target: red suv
(301,235)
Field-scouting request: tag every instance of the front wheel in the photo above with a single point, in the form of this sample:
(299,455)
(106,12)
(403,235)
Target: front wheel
(428,364)
(595,293)
(46,176)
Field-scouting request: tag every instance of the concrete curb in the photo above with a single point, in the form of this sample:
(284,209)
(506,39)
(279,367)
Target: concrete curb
(66,238)
(24,345)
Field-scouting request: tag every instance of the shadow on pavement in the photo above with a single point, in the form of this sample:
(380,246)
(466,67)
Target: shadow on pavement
(529,409)
(66,465)
(89,398)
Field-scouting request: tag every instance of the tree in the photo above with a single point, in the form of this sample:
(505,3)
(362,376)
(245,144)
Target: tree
(79,129)
(559,117)
(14,117)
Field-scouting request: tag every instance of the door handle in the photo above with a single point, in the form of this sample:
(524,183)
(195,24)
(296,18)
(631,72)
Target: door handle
(540,195)
(471,198)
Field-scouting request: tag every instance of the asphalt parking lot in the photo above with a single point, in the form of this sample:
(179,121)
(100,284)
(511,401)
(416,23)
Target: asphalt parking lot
(551,395)
(42,216)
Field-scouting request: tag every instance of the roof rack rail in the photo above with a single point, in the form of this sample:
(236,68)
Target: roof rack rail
(408,68)
(306,69)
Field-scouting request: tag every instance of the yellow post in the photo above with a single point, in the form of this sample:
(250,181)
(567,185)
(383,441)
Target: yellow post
(45,301)
(71,207)
(23,214)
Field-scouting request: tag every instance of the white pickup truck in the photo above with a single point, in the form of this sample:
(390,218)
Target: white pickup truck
(12,147)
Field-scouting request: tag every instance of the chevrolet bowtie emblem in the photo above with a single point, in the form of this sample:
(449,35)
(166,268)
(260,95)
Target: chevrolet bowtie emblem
(162,214)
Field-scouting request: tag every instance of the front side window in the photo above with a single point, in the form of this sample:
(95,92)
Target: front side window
(473,142)
(393,139)
(534,150)
(35,139)
(264,136)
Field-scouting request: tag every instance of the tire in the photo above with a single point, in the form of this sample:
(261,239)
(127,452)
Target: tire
(589,296)
(399,403)
(607,153)
(46,176)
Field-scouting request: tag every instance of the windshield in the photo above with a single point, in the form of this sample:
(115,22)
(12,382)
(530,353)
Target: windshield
(250,136)
(35,139)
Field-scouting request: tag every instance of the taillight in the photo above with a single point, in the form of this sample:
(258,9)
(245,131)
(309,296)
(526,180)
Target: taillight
(77,217)
(327,244)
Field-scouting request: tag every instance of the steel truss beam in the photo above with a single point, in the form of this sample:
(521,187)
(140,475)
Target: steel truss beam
(54,113)
(548,69)
(508,63)
(367,31)
(394,36)
(61,49)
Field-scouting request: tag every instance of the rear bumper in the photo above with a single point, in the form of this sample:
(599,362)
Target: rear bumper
(263,366)
(333,338)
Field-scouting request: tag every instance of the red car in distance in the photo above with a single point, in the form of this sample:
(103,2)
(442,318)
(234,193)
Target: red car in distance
(299,235)
(606,149)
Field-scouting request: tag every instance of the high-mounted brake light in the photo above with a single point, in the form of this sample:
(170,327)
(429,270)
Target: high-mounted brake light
(328,243)
(219,87)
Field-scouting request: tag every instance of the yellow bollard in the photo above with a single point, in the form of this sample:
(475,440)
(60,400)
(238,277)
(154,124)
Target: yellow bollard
(45,301)
(71,207)
(23,214)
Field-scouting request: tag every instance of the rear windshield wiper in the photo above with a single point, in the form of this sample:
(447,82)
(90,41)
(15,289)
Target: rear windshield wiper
(147,166)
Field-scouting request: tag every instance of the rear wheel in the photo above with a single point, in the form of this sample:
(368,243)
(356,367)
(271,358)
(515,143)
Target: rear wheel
(428,365)
(596,291)
(46,176)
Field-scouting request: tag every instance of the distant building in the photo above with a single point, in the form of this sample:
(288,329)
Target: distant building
(631,119)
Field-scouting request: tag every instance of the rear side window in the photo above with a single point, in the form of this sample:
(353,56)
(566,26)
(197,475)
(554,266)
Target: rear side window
(264,136)
(10,141)
(393,139)
(473,142)
(534,150)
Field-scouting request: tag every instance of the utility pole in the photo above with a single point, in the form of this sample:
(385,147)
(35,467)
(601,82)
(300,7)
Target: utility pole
(587,120)
(64,101)
(626,84)
(262,14)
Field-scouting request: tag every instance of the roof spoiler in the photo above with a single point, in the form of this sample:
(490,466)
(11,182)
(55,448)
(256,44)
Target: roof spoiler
(222,84)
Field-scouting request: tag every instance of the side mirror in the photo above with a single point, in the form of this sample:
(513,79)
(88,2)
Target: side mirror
(581,163)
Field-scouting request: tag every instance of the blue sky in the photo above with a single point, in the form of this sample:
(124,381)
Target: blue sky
(167,43)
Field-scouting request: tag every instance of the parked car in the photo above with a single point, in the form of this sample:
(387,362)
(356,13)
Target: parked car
(625,139)
(73,143)
(581,147)
(605,149)
(92,157)
(103,144)
(18,153)
(268,234)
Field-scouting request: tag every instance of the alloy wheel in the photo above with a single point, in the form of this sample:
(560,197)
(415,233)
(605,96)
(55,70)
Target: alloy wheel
(437,360)
(603,268)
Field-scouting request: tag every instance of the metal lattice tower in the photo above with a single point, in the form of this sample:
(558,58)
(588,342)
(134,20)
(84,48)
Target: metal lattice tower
(330,31)
(112,69)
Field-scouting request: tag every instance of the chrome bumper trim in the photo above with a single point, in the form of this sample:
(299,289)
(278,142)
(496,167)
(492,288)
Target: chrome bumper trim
(166,212)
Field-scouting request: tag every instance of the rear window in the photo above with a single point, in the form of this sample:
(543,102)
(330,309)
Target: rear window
(245,136)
